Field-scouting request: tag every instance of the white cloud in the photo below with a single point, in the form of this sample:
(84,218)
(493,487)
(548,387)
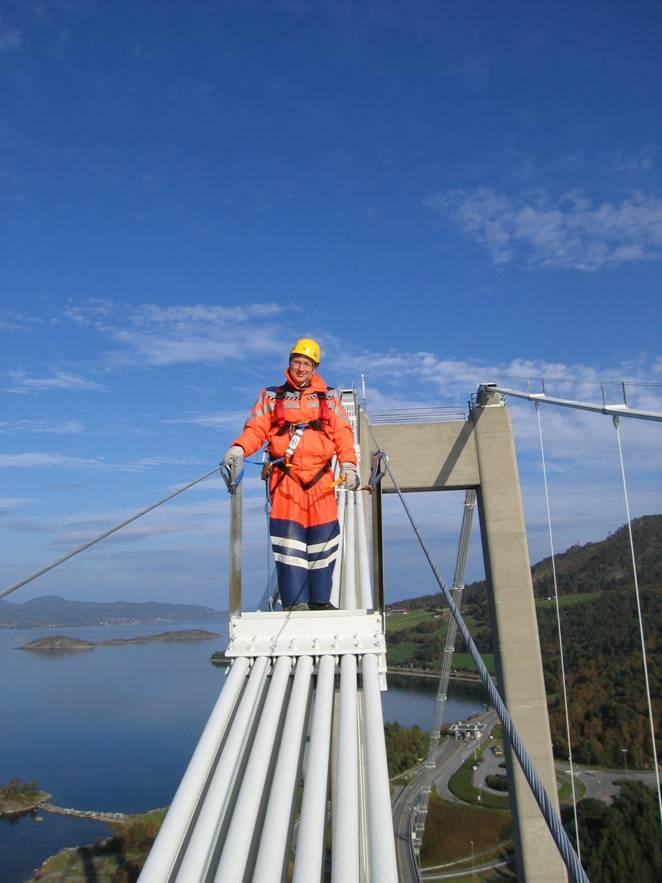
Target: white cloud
(397,379)
(11,504)
(580,446)
(57,427)
(199,518)
(568,232)
(160,336)
(10,320)
(149,314)
(22,382)
(212,420)
(41,459)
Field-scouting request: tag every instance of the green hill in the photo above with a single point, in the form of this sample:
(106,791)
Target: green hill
(605,677)
(51,610)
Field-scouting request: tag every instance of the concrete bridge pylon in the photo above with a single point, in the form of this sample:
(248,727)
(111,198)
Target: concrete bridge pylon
(479,453)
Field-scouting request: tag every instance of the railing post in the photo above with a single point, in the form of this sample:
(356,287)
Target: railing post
(236,505)
(377,548)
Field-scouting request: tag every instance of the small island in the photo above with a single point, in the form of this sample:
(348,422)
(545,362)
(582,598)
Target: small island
(18,798)
(64,644)
(57,644)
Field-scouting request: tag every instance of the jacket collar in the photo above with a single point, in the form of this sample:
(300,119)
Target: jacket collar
(316,383)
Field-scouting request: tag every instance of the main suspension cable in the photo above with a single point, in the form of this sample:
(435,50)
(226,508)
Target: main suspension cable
(639,614)
(556,829)
(560,633)
(107,533)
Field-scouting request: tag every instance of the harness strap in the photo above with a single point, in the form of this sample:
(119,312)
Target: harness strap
(305,485)
(296,437)
(321,424)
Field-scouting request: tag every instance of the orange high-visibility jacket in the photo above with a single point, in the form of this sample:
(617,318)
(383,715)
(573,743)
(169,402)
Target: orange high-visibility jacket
(300,406)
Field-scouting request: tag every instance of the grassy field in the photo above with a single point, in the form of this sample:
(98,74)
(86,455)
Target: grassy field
(451,828)
(565,788)
(464,662)
(461,785)
(569,600)
(422,648)
(401,654)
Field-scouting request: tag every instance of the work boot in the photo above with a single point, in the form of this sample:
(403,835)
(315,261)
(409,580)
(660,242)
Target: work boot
(301,606)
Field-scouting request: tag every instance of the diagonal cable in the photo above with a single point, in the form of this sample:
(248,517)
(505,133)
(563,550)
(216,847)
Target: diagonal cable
(639,614)
(107,533)
(558,625)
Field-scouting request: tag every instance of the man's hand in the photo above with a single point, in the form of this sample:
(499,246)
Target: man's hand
(352,480)
(234,459)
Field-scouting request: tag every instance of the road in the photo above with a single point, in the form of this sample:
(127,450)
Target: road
(431,874)
(449,758)
(600,784)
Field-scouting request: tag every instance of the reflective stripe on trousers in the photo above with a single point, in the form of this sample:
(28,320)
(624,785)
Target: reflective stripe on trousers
(305,558)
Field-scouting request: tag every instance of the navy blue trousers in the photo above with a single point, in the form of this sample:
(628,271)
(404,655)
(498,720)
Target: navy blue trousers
(305,558)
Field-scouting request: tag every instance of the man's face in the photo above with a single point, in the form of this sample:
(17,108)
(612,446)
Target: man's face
(301,368)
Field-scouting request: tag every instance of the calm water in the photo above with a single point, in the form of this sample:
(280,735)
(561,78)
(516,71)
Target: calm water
(113,728)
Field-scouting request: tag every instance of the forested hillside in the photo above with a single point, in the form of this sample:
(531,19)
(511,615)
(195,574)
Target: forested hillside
(605,677)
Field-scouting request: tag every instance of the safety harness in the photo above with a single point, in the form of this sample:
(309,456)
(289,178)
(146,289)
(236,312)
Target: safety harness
(296,431)
(321,424)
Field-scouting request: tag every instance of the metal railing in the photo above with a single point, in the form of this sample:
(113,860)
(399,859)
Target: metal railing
(418,415)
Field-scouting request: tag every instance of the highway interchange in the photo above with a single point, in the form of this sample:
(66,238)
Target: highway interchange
(600,784)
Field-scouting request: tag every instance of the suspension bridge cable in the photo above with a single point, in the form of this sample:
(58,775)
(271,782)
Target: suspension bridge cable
(639,614)
(556,829)
(107,533)
(604,408)
(421,807)
(558,625)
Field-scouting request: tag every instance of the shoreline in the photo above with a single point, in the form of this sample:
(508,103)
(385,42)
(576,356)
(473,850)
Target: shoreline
(66,644)
(24,809)
(421,674)
(411,673)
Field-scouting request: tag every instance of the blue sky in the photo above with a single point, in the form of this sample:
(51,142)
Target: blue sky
(442,194)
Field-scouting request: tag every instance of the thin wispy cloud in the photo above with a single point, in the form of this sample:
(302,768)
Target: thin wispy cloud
(197,517)
(575,439)
(21,382)
(56,427)
(41,459)
(567,232)
(450,381)
(212,420)
(160,336)
(12,320)
(12,504)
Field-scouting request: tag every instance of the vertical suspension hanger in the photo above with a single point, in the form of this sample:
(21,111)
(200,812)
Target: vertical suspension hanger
(559,630)
(616,420)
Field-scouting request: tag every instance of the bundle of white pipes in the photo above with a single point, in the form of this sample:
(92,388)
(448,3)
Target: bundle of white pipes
(351,588)
(271,741)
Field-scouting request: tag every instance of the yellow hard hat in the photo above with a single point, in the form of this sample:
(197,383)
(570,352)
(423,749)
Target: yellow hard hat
(307,347)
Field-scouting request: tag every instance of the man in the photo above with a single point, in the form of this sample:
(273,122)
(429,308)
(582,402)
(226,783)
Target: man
(304,425)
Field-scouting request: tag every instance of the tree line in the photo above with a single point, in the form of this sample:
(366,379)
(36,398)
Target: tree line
(602,647)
